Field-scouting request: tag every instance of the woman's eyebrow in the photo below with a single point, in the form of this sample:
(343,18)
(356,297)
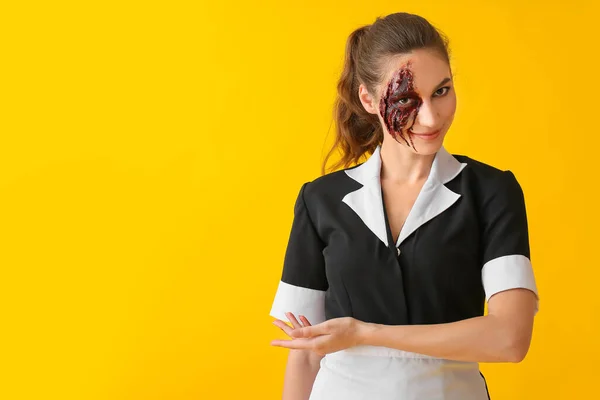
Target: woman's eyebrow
(447,79)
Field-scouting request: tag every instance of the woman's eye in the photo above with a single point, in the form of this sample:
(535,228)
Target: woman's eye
(404,100)
(441,94)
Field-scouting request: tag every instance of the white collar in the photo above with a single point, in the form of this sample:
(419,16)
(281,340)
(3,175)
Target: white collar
(433,199)
(443,169)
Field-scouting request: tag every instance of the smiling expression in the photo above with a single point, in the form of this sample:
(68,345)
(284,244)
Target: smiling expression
(414,105)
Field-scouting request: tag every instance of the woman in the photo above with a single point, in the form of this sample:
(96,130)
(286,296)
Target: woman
(390,262)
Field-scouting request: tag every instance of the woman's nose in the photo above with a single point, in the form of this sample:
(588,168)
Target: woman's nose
(427,116)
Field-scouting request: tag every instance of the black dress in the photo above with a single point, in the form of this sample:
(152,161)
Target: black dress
(465,239)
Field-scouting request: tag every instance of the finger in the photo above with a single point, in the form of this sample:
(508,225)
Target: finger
(305,322)
(310,331)
(283,326)
(293,344)
(293,320)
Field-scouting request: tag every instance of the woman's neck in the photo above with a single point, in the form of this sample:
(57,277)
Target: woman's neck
(401,165)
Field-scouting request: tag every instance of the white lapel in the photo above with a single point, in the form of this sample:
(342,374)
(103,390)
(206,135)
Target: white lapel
(367,201)
(433,199)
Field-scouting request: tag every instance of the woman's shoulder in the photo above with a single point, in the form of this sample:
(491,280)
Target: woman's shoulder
(488,178)
(331,185)
(478,167)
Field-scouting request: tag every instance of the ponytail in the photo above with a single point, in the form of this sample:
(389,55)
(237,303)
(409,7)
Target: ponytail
(357,131)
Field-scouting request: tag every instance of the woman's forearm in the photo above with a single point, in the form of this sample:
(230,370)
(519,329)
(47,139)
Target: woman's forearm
(301,370)
(480,339)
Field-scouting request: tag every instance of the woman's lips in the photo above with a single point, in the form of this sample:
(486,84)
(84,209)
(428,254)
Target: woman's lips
(427,136)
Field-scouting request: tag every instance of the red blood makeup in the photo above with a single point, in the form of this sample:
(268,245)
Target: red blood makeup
(399,102)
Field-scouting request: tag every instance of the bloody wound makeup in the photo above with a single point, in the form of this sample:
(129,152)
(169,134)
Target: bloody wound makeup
(396,114)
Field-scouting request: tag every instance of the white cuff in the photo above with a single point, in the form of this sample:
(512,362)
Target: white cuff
(508,272)
(299,301)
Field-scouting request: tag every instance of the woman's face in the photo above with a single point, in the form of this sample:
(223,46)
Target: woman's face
(415,102)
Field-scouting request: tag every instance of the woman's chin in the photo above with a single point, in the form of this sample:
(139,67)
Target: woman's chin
(428,145)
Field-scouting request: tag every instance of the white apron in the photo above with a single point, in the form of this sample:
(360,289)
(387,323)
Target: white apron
(381,373)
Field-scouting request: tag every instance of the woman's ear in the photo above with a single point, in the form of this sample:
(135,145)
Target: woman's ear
(367,100)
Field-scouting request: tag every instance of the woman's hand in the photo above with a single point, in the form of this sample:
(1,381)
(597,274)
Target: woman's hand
(327,337)
(295,324)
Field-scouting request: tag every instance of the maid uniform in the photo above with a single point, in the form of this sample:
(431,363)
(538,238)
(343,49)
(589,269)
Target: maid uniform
(465,239)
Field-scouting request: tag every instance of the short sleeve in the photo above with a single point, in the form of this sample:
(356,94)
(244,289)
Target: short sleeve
(506,253)
(303,283)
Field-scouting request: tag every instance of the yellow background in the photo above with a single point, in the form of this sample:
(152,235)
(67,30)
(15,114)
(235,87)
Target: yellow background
(151,152)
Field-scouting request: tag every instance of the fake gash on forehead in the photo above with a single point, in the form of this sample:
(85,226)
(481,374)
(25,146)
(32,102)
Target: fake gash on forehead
(396,114)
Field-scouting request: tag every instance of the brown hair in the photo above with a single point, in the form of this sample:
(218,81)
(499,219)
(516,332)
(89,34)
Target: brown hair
(368,48)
